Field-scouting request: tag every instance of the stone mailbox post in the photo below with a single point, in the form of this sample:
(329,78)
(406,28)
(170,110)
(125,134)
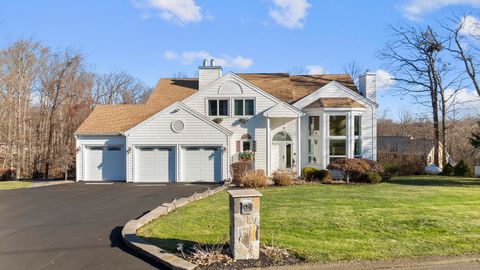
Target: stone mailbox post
(245,223)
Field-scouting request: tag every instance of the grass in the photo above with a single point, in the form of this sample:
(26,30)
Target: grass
(14,184)
(406,217)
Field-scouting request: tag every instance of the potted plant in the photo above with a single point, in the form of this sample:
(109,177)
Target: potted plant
(243,121)
(246,156)
(217,120)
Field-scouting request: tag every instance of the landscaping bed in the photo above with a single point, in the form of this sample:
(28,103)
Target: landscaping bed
(407,217)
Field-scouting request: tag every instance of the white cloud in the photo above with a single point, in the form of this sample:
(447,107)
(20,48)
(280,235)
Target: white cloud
(471,26)
(464,99)
(414,9)
(289,13)
(189,57)
(384,79)
(315,70)
(179,11)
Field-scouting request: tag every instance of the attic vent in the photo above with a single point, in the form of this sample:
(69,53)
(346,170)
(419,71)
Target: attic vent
(177,126)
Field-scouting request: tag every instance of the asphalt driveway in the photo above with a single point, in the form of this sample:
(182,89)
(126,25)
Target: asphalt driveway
(77,226)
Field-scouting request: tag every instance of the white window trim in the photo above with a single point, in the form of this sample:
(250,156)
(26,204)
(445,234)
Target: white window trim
(345,138)
(357,137)
(207,107)
(243,99)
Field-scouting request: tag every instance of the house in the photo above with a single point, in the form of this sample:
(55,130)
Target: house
(407,145)
(192,129)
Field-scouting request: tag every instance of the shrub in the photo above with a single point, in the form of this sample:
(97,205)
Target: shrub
(448,170)
(407,164)
(355,169)
(307,170)
(462,169)
(7,174)
(283,178)
(391,169)
(375,166)
(238,169)
(254,179)
(319,175)
(374,178)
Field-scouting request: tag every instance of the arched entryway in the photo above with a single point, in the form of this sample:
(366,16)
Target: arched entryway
(281,151)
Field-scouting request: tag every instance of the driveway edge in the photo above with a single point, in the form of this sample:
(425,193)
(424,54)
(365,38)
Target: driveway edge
(129,231)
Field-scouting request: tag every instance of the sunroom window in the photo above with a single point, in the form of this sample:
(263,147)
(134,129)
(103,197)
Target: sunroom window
(218,107)
(338,136)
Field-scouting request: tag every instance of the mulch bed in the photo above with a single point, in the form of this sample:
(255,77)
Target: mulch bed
(218,258)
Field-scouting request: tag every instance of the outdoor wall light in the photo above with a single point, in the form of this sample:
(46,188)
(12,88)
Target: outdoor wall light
(78,149)
(129,150)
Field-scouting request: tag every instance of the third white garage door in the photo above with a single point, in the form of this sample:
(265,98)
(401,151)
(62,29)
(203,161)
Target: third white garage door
(155,164)
(201,164)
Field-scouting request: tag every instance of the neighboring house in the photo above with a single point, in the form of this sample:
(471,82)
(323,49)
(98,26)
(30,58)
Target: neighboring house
(404,145)
(192,129)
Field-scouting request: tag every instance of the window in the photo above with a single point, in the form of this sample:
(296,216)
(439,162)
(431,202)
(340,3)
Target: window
(246,146)
(244,107)
(314,125)
(338,137)
(314,140)
(338,125)
(357,132)
(218,107)
(114,148)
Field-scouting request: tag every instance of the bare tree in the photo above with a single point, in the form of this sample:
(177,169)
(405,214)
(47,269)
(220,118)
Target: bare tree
(464,38)
(354,70)
(118,88)
(413,56)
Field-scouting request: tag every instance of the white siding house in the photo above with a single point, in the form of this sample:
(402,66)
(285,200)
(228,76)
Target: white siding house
(194,129)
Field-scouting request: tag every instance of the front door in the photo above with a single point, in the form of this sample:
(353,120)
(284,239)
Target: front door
(281,156)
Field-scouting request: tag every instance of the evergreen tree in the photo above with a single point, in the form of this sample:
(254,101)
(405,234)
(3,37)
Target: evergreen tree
(475,138)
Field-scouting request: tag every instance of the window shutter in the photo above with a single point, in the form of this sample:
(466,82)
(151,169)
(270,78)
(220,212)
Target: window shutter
(238,146)
(254,146)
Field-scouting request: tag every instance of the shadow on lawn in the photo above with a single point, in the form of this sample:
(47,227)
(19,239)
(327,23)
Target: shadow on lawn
(436,181)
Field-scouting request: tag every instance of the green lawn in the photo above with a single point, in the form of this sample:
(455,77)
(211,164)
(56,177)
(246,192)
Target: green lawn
(14,184)
(407,217)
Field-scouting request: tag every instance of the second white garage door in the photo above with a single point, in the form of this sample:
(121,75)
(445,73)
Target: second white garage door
(201,164)
(155,164)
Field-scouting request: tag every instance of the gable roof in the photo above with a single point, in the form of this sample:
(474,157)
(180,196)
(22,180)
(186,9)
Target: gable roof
(404,145)
(115,119)
(292,88)
(334,103)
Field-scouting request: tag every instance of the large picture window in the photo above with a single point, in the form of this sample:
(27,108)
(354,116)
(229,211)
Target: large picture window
(218,107)
(338,125)
(338,137)
(244,107)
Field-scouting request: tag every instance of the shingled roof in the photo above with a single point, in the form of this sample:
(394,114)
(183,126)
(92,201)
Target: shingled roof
(115,119)
(404,145)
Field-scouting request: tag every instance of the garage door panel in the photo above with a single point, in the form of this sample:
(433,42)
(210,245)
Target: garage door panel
(201,164)
(105,163)
(155,164)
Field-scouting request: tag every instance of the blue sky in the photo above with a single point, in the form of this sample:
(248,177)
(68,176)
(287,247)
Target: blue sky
(157,38)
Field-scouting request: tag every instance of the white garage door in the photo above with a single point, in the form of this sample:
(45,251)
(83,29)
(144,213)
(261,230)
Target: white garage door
(155,164)
(105,163)
(201,164)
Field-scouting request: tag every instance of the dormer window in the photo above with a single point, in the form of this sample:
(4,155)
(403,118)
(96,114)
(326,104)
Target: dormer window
(218,107)
(244,107)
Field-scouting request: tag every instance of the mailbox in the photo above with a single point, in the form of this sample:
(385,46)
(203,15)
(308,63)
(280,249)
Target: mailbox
(244,223)
(246,206)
